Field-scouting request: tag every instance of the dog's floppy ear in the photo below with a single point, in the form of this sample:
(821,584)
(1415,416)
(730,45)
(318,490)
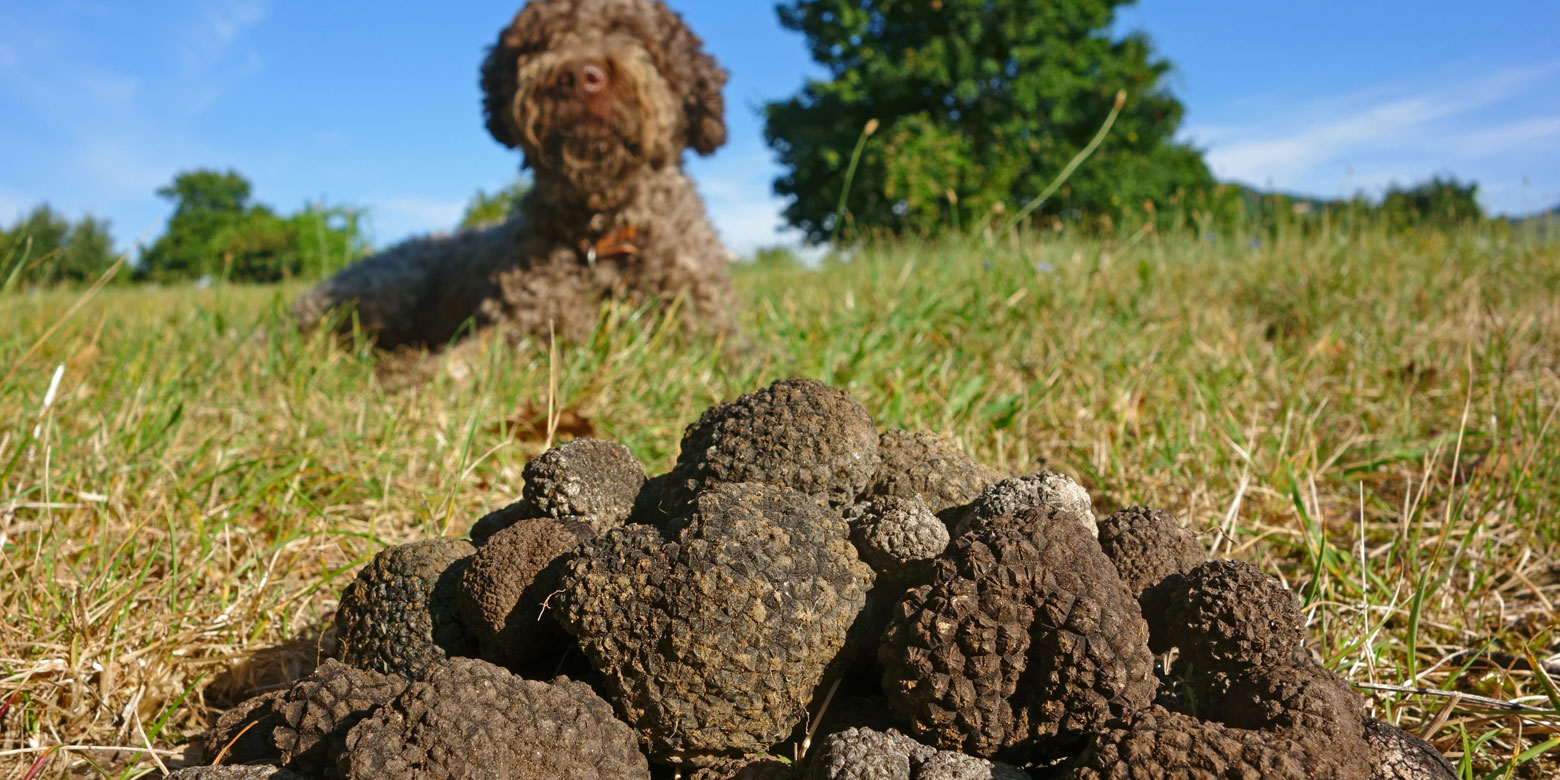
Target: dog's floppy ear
(499,82)
(705,106)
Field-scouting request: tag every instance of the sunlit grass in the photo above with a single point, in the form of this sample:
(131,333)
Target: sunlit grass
(1372,416)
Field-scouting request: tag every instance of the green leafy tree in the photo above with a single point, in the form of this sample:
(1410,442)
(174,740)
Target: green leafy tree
(216,232)
(1441,201)
(981,102)
(45,248)
(485,208)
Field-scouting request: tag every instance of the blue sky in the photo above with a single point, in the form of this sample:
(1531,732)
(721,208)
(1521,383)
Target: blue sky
(376,104)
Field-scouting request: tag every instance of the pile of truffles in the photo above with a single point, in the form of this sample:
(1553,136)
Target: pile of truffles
(804,598)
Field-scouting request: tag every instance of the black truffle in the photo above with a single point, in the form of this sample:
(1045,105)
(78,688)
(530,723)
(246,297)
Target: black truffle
(797,433)
(232,772)
(503,594)
(1025,643)
(712,644)
(401,614)
(925,466)
(594,481)
(495,521)
(1012,496)
(1150,552)
(865,754)
(897,537)
(1229,618)
(471,720)
(1400,755)
(762,768)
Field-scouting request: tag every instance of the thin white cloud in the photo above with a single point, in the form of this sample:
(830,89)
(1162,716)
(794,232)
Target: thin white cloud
(403,216)
(1534,133)
(216,27)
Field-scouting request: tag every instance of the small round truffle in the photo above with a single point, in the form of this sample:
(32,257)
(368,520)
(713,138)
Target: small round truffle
(1400,755)
(593,480)
(471,720)
(948,765)
(762,768)
(897,537)
(401,614)
(1025,642)
(1150,551)
(1228,617)
(712,645)
(798,433)
(234,772)
(926,466)
(1012,496)
(504,590)
(865,754)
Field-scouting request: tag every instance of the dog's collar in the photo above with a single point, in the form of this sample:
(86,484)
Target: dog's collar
(618,243)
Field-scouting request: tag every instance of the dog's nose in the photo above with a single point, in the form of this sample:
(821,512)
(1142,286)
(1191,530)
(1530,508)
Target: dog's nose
(586,77)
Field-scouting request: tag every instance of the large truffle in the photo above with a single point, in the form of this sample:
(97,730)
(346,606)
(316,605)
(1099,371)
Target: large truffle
(1012,496)
(304,727)
(400,615)
(865,754)
(471,720)
(591,480)
(1150,552)
(797,433)
(1173,746)
(897,537)
(1400,755)
(712,644)
(504,591)
(1025,643)
(925,466)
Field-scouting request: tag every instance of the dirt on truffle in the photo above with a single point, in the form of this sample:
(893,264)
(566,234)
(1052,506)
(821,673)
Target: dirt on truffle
(925,466)
(1017,494)
(1025,643)
(471,720)
(401,614)
(594,481)
(796,433)
(504,589)
(711,644)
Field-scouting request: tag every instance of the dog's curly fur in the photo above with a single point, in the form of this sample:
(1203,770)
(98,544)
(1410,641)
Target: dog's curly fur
(601,97)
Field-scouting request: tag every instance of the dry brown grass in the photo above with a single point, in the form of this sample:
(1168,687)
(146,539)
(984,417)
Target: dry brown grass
(1373,416)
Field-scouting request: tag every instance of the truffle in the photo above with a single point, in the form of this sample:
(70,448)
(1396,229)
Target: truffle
(897,537)
(762,768)
(594,481)
(928,467)
(231,772)
(304,727)
(865,754)
(1012,496)
(400,615)
(712,644)
(469,720)
(1024,643)
(797,433)
(1399,755)
(504,590)
(495,521)
(1173,746)
(1150,552)
(1229,618)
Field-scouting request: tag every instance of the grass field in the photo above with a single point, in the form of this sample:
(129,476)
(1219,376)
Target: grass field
(185,484)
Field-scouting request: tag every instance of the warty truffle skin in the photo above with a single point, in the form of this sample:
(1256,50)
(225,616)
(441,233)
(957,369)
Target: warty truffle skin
(228,772)
(401,614)
(504,589)
(1150,552)
(761,768)
(897,537)
(1014,495)
(471,720)
(1399,755)
(866,754)
(594,480)
(923,465)
(304,727)
(797,433)
(1164,745)
(712,644)
(1024,643)
(1229,618)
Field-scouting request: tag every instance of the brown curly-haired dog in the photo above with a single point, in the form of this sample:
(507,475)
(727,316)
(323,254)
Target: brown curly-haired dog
(601,97)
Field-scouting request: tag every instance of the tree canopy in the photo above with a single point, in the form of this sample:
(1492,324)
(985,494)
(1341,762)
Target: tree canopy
(45,248)
(981,102)
(216,232)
